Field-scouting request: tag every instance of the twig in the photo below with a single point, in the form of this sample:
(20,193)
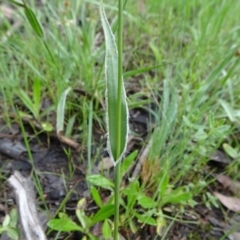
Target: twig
(71,143)
(23,188)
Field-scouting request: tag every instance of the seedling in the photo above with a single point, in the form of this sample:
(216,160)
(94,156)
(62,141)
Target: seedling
(9,225)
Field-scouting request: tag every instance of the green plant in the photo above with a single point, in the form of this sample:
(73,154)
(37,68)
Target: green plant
(105,210)
(137,208)
(9,225)
(117,111)
(210,200)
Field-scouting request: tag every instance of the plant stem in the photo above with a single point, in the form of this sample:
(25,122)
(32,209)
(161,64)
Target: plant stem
(119,112)
(120,84)
(116,199)
(89,144)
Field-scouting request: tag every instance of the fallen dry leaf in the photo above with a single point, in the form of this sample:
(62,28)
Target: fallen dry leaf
(220,157)
(227,182)
(97,229)
(105,164)
(231,203)
(234,236)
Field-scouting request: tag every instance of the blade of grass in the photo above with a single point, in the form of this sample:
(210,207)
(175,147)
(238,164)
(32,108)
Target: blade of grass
(33,21)
(90,120)
(60,110)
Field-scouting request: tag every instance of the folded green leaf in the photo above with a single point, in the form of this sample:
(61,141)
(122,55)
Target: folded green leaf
(111,71)
(60,110)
